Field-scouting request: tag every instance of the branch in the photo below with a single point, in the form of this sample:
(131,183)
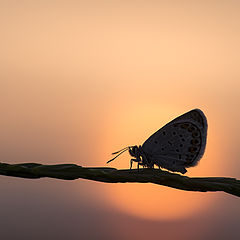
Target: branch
(112,175)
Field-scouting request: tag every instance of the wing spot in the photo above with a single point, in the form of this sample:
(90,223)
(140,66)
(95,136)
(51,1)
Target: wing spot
(181,145)
(180,135)
(192,149)
(195,134)
(188,159)
(195,141)
(191,129)
(164,133)
(170,143)
(174,133)
(180,156)
(177,150)
(185,125)
(155,141)
(162,149)
(183,140)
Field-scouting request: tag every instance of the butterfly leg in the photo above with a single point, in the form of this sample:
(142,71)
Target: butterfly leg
(141,164)
(146,162)
(134,160)
(131,162)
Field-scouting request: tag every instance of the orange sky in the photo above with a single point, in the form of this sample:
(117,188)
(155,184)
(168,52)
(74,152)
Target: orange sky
(81,80)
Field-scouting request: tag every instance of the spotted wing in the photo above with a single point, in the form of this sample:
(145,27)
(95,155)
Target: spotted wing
(180,143)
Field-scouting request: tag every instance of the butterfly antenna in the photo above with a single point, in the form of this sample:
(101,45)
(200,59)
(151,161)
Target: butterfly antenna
(120,150)
(119,153)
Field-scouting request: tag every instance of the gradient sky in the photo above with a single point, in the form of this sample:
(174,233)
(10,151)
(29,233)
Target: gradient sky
(81,79)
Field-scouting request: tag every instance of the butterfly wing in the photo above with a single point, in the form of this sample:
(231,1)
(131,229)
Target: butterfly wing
(180,143)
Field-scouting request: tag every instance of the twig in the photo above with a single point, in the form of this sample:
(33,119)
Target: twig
(112,175)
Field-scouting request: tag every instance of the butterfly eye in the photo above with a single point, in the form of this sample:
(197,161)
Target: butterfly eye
(135,150)
(131,152)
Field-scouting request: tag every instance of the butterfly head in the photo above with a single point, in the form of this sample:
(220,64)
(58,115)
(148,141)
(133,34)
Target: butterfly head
(133,151)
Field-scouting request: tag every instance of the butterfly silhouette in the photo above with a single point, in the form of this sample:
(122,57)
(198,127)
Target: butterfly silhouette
(178,145)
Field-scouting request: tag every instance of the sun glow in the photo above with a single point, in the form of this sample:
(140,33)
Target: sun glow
(148,200)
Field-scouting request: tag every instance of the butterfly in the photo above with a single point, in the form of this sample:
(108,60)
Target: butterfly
(178,145)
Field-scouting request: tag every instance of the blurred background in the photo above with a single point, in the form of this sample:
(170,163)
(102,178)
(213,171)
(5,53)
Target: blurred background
(82,79)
